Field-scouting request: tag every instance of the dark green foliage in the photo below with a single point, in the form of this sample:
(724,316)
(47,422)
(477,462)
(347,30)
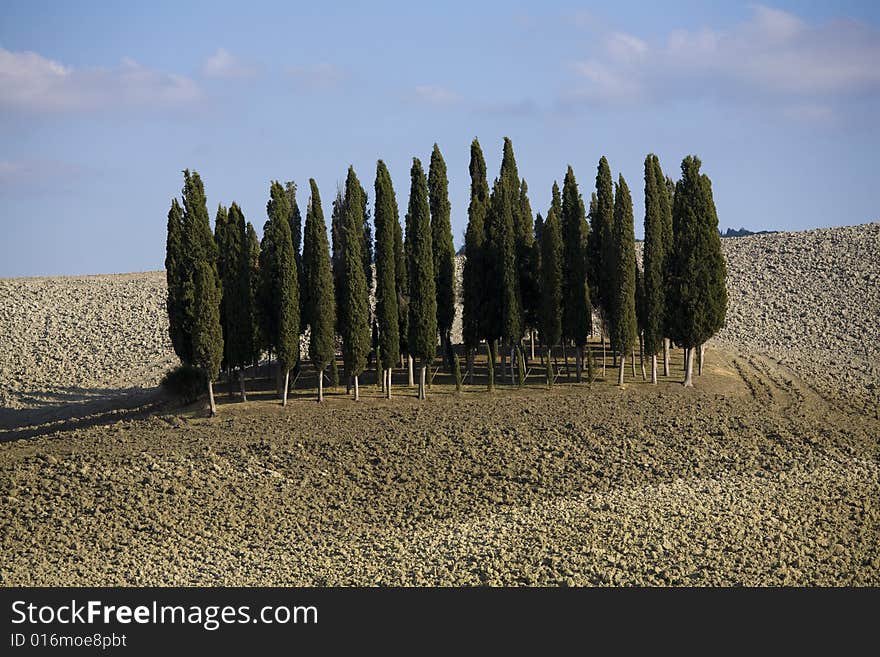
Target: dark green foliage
(576,312)
(237,306)
(556,200)
(354,305)
(654,258)
(441,242)
(224,257)
(527,265)
(366,241)
(281,279)
(473,276)
(296,228)
(185,382)
(253,246)
(337,219)
(386,216)
(520,366)
(623,318)
(175,273)
(697,293)
(551,280)
(401,282)
(422,340)
(198,240)
(319,300)
(207,336)
(602,245)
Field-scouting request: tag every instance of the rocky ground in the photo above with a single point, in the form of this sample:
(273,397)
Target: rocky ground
(767,473)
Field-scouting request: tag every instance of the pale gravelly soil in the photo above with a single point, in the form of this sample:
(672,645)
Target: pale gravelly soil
(738,482)
(767,473)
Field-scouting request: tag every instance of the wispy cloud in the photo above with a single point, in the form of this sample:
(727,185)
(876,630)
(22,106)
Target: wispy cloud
(225,65)
(434,95)
(33,83)
(28,177)
(774,55)
(316,77)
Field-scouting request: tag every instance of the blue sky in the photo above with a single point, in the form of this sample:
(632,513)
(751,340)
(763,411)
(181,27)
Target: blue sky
(103,104)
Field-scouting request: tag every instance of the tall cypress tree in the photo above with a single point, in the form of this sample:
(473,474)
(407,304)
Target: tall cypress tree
(283,284)
(238,332)
(576,312)
(654,261)
(337,221)
(473,323)
(366,241)
(175,273)
(551,282)
(295,221)
(386,217)
(401,282)
(224,271)
(443,249)
(320,301)
(602,252)
(527,264)
(420,268)
(623,317)
(355,305)
(253,246)
(207,336)
(698,294)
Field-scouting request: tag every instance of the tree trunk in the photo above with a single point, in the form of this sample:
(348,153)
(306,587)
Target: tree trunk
(409,363)
(532,339)
(555,362)
(241,384)
(689,368)
(700,353)
(321,385)
(633,361)
(387,374)
(422,369)
(665,356)
(211,398)
(357,394)
(684,364)
(654,369)
(284,392)
(579,365)
(642,354)
(549,368)
(620,371)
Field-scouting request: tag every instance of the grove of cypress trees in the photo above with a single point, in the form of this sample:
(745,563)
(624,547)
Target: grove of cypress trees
(354,308)
(551,284)
(386,217)
(320,300)
(283,285)
(576,312)
(697,293)
(175,272)
(654,263)
(443,249)
(207,336)
(422,340)
(238,326)
(474,275)
(623,317)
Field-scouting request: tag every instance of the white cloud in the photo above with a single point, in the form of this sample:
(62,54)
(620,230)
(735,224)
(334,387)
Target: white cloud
(223,64)
(316,77)
(31,82)
(437,96)
(774,55)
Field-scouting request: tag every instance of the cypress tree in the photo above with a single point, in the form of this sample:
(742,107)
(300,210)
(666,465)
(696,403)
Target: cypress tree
(337,220)
(474,277)
(386,216)
(366,241)
(295,221)
(527,264)
(602,251)
(551,284)
(623,317)
(443,249)
(420,268)
(654,261)
(698,294)
(320,300)
(284,285)
(401,282)
(253,245)
(238,332)
(355,305)
(175,273)
(207,336)
(665,193)
(224,271)
(556,200)
(576,312)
